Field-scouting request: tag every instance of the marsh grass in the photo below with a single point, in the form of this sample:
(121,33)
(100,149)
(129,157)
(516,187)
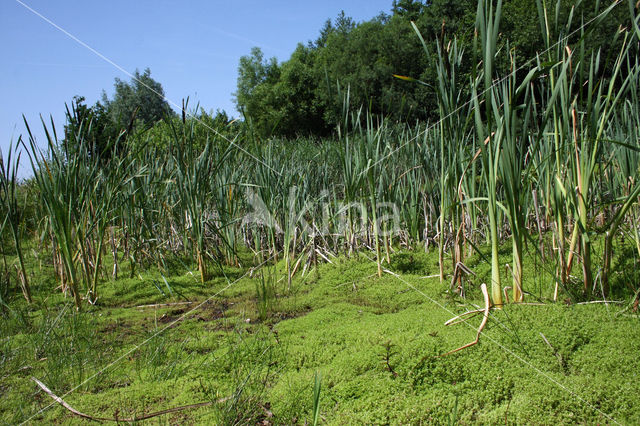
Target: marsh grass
(11,217)
(266,295)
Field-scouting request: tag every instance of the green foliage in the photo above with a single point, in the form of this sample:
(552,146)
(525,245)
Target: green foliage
(12,217)
(141,99)
(105,127)
(270,371)
(266,293)
(306,94)
(408,262)
(185,197)
(317,388)
(206,125)
(94,124)
(255,76)
(409,9)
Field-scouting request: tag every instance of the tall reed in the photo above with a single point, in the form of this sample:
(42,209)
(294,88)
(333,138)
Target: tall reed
(13,212)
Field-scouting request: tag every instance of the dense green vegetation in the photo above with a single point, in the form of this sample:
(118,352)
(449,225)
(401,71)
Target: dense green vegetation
(375,342)
(305,94)
(331,263)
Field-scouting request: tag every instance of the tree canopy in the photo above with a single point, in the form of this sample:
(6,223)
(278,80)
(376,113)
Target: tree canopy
(356,61)
(105,125)
(142,98)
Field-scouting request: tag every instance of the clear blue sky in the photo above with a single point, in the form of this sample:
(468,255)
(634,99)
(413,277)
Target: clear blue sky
(191,47)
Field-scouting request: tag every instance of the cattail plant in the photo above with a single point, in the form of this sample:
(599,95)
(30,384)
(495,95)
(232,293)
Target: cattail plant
(193,171)
(12,212)
(489,133)
(66,180)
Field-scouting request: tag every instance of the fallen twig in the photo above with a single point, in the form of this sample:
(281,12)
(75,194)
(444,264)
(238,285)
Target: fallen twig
(555,352)
(390,272)
(454,321)
(485,318)
(162,305)
(323,256)
(297,265)
(132,419)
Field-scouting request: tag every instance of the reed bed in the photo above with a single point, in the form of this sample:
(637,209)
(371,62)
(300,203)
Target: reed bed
(551,147)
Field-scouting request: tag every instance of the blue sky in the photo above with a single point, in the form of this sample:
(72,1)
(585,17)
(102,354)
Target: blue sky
(191,47)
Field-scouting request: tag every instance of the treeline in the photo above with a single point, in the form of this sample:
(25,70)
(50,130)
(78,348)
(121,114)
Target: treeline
(352,65)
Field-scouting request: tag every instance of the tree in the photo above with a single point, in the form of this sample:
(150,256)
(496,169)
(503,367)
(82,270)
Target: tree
(344,24)
(93,126)
(105,126)
(141,99)
(296,105)
(326,29)
(364,60)
(256,77)
(409,9)
(306,93)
